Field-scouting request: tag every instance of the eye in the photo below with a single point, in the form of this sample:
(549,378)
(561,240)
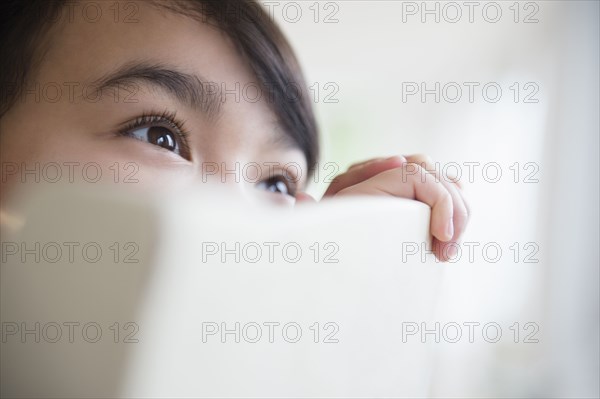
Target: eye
(158,135)
(278,184)
(160,130)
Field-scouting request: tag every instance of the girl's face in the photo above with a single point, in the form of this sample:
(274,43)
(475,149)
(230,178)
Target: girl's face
(148,96)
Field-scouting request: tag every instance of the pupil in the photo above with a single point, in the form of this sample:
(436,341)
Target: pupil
(162,137)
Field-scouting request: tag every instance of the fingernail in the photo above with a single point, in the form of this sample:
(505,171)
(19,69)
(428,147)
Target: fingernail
(452,250)
(450,228)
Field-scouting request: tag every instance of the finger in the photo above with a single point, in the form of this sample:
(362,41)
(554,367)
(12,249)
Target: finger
(445,251)
(422,160)
(363,163)
(413,182)
(426,162)
(460,213)
(449,180)
(361,172)
(302,197)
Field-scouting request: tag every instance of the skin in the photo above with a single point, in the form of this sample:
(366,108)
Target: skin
(413,177)
(74,129)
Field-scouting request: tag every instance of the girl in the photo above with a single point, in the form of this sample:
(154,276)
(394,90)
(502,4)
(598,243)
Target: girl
(179,93)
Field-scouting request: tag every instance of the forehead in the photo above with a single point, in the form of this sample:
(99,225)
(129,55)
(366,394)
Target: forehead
(149,30)
(91,42)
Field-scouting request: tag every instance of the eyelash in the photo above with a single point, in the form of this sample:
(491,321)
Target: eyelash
(166,119)
(290,183)
(169,119)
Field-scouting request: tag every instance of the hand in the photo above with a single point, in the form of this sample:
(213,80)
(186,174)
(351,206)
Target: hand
(412,177)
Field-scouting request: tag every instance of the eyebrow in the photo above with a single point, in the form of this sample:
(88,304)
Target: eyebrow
(191,90)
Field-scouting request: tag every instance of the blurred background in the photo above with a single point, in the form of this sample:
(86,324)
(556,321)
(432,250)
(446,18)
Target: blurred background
(506,94)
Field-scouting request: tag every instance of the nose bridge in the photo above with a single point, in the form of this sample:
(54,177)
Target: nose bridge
(223,157)
(230,173)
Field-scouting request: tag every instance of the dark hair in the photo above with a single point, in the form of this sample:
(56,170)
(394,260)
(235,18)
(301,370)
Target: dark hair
(259,41)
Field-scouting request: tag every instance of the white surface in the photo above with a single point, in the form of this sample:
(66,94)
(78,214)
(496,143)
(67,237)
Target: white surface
(369,293)
(371,51)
